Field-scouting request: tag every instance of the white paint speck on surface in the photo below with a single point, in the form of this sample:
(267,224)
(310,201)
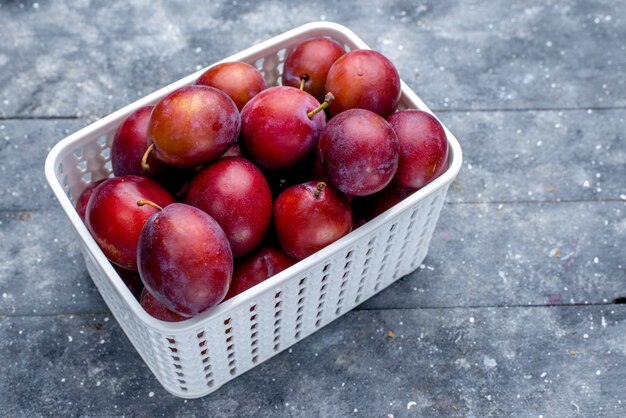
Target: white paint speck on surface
(69,338)
(586,184)
(595,260)
(151,394)
(544,374)
(586,336)
(471,319)
(489,362)
(598,372)
(622,196)
(411,404)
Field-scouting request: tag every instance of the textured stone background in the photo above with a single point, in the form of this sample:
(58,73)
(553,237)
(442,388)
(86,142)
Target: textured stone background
(512,313)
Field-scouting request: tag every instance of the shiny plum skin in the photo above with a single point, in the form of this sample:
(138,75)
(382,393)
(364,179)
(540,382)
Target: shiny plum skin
(364,79)
(311,59)
(358,151)
(115,220)
(184,259)
(129,145)
(157,309)
(305,223)
(193,125)
(277,133)
(258,266)
(83,199)
(423,148)
(235,193)
(239,80)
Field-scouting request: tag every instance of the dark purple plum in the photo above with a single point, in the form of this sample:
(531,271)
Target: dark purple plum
(235,193)
(239,80)
(307,64)
(310,216)
(114,219)
(358,152)
(193,125)
(423,148)
(276,128)
(256,267)
(184,259)
(364,79)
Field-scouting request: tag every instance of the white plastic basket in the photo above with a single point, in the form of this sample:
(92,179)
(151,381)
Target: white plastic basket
(197,356)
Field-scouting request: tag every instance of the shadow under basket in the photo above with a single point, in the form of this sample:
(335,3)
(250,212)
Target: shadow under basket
(195,357)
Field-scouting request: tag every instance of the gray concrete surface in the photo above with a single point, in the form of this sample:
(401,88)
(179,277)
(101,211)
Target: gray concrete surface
(512,313)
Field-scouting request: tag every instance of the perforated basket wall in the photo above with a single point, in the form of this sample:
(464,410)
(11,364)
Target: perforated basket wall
(195,357)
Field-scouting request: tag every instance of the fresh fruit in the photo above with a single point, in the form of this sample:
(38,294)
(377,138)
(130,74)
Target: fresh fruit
(371,206)
(306,65)
(235,193)
(193,126)
(327,178)
(83,199)
(358,152)
(363,79)
(130,144)
(256,267)
(240,80)
(184,259)
(279,127)
(115,220)
(310,216)
(423,148)
(157,309)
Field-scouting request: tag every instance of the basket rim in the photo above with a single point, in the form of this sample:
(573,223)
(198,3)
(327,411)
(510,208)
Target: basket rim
(222,310)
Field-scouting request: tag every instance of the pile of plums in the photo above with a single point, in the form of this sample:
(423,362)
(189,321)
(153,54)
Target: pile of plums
(226,182)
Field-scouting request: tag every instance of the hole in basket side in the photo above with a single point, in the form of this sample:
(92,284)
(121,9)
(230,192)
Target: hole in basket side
(86,177)
(345,277)
(300,309)
(254,340)
(230,344)
(321,297)
(180,375)
(277,318)
(204,354)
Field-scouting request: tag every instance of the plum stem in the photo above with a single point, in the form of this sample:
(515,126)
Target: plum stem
(303,80)
(328,99)
(144,158)
(149,203)
(318,190)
